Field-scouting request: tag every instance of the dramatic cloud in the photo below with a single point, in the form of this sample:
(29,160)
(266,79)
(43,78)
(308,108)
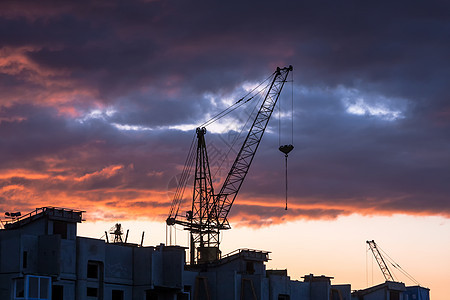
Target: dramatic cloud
(99,102)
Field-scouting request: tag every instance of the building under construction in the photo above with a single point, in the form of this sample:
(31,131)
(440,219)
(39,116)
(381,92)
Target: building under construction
(41,257)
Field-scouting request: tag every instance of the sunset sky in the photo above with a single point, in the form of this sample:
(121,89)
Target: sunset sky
(99,101)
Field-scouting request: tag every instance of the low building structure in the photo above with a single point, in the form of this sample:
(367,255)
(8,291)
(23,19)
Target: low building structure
(391,290)
(41,257)
(417,293)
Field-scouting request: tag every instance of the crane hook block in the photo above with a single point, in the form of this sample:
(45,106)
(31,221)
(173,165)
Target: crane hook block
(286,149)
(170,221)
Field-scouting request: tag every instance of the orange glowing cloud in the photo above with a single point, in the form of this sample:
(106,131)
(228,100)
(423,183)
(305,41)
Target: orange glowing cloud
(106,172)
(22,173)
(45,86)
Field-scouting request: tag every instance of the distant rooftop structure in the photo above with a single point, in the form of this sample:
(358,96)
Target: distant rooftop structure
(53,213)
(249,254)
(387,290)
(313,278)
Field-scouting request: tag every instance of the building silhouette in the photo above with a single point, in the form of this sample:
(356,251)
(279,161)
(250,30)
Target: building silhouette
(41,257)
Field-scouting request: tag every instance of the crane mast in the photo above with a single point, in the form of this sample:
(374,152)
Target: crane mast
(203,238)
(209,212)
(381,263)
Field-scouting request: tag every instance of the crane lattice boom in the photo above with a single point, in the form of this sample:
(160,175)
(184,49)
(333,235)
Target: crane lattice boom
(379,258)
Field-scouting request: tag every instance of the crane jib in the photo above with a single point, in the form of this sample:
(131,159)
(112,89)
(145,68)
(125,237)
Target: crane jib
(241,165)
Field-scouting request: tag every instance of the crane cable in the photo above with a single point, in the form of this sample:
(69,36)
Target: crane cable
(397,266)
(237,104)
(179,192)
(235,139)
(286,149)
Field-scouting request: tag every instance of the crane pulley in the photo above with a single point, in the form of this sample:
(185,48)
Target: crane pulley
(209,211)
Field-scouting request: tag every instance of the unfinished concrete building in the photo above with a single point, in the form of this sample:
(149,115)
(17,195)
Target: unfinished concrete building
(41,257)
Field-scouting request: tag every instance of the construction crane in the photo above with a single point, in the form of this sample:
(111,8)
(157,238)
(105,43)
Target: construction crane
(379,258)
(209,211)
(376,250)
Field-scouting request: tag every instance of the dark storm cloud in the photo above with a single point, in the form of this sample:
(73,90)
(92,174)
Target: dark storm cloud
(372,113)
(362,161)
(64,31)
(35,134)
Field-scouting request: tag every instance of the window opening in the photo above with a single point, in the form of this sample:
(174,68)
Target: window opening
(60,228)
(151,295)
(250,267)
(57,292)
(44,288)
(92,269)
(182,296)
(20,288)
(32,288)
(394,295)
(91,292)
(25,259)
(117,295)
